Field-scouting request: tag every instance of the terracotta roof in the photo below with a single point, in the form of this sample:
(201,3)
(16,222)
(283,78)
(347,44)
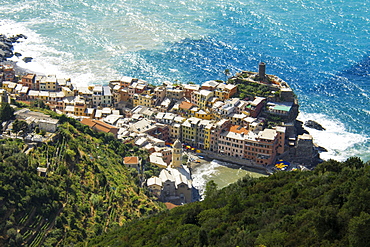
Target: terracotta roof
(29,76)
(100,126)
(238,129)
(186,105)
(88,122)
(170,205)
(131,160)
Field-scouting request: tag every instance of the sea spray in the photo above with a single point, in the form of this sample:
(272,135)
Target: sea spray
(338,142)
(222,173)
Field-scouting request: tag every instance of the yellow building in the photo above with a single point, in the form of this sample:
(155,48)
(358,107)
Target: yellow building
(67,92)
(9,86)
(225,91)
(202,98)
(203,115)
(48,83)
(44,95)
(144,100)
(135,100)
(189,131)
(175,128)
(80,107)
(204,134)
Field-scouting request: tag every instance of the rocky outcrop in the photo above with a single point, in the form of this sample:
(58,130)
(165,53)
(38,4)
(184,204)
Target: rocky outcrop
(6,46)
(314,125)
(299,128)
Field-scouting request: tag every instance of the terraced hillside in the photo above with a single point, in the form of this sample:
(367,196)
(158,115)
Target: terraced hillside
(86,190)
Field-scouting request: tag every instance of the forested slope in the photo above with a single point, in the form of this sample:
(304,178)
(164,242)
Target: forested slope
(87,189)
(326,207)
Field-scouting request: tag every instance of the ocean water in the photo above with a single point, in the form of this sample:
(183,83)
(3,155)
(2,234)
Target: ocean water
(321,48)
(221,173)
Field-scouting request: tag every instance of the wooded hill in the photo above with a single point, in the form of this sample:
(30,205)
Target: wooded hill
(325,207)
(86,192)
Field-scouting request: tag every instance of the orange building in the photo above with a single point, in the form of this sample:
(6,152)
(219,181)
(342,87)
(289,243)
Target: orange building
(29,81)
(100,126)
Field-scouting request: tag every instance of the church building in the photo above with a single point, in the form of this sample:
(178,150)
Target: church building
(174,183)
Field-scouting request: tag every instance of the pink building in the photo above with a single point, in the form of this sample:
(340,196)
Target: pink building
(218,128)
(262,147)
(231,142)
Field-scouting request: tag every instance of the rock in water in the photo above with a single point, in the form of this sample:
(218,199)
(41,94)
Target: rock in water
(314,125)
(6,46)
(27,59)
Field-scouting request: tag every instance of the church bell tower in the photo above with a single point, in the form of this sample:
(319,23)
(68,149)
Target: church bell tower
(177,154)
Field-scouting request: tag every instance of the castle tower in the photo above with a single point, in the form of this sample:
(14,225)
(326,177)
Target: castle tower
(262,70)
(177,154)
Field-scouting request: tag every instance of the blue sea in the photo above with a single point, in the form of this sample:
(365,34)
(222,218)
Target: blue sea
(321,48)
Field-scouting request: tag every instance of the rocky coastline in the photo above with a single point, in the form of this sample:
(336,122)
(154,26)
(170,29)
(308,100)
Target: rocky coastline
(7,52)
(7,47)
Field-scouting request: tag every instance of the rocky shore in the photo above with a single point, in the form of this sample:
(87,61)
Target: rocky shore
(7,52)
(314,125)
(7,47)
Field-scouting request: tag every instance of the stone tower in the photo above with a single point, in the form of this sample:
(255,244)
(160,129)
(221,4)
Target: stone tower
(177,154)
(262,70)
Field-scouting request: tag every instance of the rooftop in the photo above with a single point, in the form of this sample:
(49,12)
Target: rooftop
(132,160)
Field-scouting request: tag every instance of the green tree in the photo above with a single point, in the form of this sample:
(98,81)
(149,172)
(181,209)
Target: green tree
(358,230)
(211,189)
(6,112)
(40,104)
(227,73)
(19,126)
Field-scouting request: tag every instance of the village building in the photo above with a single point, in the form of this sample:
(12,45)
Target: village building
(158,159)
(48,83)
(189,89)
(160,94)
(255,107)
(219,127)
(8,72)
(201,98)
(132,162)
(4,96)
(225,91)
(37,119)
(9,86)
(137,87)
(209,85)
(29,81)
(189,131)
(174,183)
(174,93)
(100,126)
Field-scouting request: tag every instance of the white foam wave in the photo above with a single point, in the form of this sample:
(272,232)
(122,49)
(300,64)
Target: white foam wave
(340,143)
(203,173)
(46,60)
(49,60)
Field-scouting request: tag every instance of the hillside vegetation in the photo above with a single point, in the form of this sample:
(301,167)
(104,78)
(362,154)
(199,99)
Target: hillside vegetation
(326,207)
(86,192)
